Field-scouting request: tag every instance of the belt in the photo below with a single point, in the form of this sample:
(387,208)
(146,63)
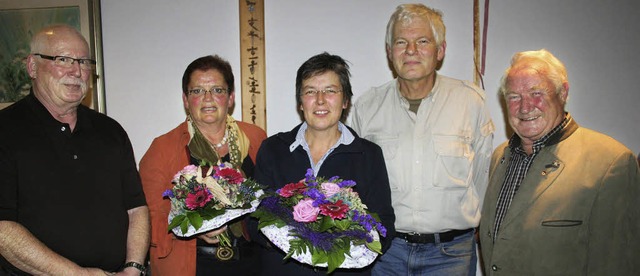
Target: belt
(431,238)
(207,250)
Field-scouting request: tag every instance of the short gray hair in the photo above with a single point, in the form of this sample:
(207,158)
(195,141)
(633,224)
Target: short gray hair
(407,12)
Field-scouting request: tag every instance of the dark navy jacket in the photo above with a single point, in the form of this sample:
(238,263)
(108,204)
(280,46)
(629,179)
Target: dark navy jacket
(361,161)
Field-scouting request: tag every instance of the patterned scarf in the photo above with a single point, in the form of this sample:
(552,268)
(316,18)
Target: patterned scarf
(202,149)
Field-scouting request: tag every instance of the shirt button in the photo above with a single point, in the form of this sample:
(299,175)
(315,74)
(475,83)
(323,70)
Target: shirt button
(494,267)
(75,157)
(63,128)
(417,161)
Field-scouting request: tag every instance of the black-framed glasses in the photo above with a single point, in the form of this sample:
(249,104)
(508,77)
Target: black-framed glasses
(215,91)
(313,92)
(67,62)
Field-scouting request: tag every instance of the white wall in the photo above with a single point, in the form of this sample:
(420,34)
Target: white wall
(148,44)
(146,47)
(598,42)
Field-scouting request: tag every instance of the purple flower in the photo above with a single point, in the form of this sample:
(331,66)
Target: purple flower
(322,240)
(168,193)
(274,206)
(310,180)
(382,229)
(314,194)
(309,175)
(347,183)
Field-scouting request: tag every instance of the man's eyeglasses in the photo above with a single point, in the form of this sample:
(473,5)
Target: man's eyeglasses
(215,91)
(67,62)
(314,92)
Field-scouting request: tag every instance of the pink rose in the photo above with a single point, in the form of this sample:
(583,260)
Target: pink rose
(330,188)
(187,172)
(305,212)
(190,169)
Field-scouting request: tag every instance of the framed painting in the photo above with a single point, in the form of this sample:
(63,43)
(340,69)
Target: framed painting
(20,20)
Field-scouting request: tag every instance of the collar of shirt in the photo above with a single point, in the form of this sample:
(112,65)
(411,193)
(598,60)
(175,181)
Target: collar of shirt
(553,137)
(430,96)
(346,138)
(44,116)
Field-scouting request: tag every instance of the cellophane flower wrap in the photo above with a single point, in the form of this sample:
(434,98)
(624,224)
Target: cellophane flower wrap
(325,219)
(204,198)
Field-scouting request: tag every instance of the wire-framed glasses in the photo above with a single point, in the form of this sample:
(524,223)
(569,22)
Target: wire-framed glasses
(67,62)
(215,91)
(313,92)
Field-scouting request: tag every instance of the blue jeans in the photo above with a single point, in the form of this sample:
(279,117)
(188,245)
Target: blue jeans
(457,257)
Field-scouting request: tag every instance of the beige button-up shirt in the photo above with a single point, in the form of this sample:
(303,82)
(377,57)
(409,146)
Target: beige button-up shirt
(437,159)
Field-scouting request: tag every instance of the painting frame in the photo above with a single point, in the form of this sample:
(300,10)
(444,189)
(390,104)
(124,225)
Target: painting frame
(88,23)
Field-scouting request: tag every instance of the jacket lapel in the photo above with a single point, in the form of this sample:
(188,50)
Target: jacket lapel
(497,172)
(543,172)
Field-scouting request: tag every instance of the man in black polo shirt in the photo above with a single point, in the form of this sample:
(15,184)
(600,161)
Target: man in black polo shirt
(71,201)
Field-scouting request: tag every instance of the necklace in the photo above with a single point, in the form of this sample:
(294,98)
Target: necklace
(223,141)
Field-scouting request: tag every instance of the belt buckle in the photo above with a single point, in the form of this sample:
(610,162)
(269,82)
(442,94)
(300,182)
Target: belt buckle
(410,237)
(220,253)
(225,253)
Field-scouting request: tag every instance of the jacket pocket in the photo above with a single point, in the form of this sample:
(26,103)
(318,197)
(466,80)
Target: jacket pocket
(454,158)
(561,223)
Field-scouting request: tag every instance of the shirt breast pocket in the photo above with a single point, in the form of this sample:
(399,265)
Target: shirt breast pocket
(388,143)
(453,163)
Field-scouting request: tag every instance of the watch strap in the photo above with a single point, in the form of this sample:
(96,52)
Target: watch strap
(142,268)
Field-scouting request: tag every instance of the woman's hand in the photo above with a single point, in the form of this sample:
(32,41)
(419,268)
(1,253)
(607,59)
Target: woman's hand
(211,237)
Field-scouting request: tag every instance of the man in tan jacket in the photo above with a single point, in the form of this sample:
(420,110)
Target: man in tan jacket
(562,199)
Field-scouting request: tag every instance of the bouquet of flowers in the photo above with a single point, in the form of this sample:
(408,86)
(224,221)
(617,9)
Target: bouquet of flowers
(321,222)
(205,198)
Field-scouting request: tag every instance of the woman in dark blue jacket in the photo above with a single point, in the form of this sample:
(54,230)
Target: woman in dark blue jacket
(330,148)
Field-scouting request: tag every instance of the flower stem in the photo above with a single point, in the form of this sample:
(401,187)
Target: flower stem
(224,239)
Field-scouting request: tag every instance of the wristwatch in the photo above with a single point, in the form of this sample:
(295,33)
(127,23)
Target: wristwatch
(143,270)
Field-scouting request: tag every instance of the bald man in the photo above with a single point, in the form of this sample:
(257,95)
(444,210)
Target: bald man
(71,201)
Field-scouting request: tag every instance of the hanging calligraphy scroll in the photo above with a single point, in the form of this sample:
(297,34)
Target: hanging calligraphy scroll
(252,61)
(476,42)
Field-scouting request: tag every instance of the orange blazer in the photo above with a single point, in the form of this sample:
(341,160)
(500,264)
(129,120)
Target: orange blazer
(164,158)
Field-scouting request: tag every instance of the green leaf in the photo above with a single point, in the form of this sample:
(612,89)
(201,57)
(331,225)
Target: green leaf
(343,224)
(184,226)
(296,246)
(375,246)
(326,223)
(335,260)
(195,219)
(318,256)
(176,221)
(210,213)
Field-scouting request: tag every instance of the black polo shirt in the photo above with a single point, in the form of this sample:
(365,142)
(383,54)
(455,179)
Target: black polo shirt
(72,190)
